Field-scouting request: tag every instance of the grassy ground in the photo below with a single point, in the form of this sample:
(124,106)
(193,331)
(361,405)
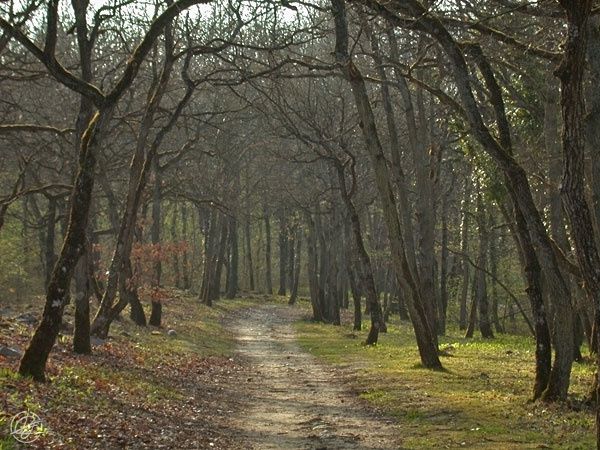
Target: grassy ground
(481,401)
(141,388)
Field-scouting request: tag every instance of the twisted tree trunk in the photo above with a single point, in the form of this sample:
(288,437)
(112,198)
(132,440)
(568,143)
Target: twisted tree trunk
(426,339)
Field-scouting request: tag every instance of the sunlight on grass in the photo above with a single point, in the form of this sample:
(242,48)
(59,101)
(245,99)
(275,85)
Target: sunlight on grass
(481,401)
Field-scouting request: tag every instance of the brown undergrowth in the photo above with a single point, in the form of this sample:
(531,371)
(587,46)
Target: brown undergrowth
(141,388)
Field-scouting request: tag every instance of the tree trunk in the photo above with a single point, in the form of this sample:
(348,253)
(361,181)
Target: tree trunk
(518,187)
(220,261)
(366,269)
(324,267)
(420,264)
(268,265)
(142,162)
(283,251)
(210,258)
(232,273)
(443,305)
(464,248)
(495,243)
(473,314)
(425,213)
(176,265)
(576,207)
(357,324)
(34,359)
(57,294)
(291,258)
(156,219)
(297,266)
(248,237)
(50,255)
(81,333)
(156,314)
(312,269)
(592,118)
(185,264)
(481,294)
(129,296)
(426,339)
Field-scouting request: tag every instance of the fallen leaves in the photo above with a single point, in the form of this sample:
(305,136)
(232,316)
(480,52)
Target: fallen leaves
(131,393)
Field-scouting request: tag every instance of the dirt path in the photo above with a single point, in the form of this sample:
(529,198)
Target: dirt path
(290,401)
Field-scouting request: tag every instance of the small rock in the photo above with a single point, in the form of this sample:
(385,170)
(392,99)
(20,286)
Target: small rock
(9,352)
(172,332)
(27,318)
(156,333)
(95,341)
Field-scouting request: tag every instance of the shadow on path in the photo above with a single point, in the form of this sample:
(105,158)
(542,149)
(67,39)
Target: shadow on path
(291,401)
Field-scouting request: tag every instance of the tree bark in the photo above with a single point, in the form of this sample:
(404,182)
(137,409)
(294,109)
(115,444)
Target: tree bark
(141,164)
(283,251)
(268,265)
(495,243)
(570,73)
(250,266)
(481,294)
(356,297)
(443,304)
(210,258)
(464,248)
(220,261)
(185,264)
(297,266)
(49,254)
(312,269)
(516,183)
(289,275)
(232,274)
(366,269)
(156,313)
(176,264)
(473,313)
(81,333)
(426,339)
(592,118)
(33,362)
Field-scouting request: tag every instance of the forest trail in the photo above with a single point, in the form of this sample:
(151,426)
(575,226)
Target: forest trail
(291,401)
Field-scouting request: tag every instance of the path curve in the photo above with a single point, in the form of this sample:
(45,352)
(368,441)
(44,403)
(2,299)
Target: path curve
(291,401)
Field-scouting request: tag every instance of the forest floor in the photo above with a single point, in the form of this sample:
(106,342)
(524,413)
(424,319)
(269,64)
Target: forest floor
(481,400)
(254,373)
(141,389)
(293,402)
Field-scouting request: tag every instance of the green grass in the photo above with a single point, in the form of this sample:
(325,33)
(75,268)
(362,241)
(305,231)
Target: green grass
(480,401)
(7,443)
